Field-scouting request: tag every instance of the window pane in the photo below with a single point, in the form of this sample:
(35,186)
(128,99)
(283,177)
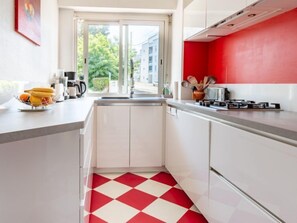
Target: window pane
(144,51)
(103,60)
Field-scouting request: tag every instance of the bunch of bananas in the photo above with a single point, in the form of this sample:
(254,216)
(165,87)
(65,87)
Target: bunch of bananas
(38,96)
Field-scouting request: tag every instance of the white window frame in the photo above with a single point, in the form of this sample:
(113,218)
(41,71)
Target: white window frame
(124,19)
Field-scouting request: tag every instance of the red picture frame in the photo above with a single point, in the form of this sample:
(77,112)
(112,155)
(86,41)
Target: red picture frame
(27,19)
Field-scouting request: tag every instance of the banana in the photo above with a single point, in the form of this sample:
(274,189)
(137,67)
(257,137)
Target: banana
(41,94)
(43,89)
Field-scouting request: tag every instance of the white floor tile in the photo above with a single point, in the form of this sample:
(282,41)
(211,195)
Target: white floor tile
(111,175)
(113,189)
(147,175)
(116,212)
(153,188)
(165,211)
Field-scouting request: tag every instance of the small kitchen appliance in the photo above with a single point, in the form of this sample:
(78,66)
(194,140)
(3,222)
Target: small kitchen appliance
(73,89)
(217,93)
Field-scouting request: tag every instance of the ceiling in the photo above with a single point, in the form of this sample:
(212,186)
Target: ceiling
(135,6)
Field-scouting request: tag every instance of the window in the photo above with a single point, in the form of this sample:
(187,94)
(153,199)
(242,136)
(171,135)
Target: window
(105,51)
(150,59)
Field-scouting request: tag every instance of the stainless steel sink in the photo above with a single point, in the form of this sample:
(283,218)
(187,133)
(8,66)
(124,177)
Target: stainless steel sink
(114,97)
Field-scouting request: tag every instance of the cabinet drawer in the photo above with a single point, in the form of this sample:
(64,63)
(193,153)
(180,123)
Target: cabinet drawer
(228,205)
(263,168)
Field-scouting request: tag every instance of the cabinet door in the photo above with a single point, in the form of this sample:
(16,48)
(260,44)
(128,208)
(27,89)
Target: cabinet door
(146,136)
(194,18)
(172,144)
(228,205)
(218,10)
(187,150)
(263,168)
(113,136)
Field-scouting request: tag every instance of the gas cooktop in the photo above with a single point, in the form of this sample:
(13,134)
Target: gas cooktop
(237,104)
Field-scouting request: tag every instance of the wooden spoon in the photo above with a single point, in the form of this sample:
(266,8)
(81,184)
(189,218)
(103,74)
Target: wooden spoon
(192,80)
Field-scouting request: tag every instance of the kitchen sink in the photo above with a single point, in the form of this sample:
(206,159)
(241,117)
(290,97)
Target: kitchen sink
(114,97)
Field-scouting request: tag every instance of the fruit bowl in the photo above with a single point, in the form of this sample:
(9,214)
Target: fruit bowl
(37,98)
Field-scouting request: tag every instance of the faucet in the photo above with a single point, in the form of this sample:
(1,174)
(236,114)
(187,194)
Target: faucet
(131,78)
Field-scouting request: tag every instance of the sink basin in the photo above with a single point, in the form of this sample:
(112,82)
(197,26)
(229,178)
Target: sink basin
(114,97)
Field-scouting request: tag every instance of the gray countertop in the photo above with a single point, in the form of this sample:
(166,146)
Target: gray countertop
(280,123)
(71,114)
(61,117)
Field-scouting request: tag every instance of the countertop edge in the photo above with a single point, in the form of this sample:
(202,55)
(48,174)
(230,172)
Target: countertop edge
(38,132)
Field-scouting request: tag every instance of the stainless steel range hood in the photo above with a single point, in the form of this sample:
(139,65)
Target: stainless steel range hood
(255,13)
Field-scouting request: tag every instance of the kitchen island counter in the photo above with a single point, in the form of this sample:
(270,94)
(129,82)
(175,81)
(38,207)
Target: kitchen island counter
(278,123)
(61,117)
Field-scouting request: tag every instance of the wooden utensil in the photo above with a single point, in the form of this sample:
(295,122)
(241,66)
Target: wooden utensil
(192,80)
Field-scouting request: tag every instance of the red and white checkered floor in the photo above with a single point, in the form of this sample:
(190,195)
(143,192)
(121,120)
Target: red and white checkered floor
(139,198)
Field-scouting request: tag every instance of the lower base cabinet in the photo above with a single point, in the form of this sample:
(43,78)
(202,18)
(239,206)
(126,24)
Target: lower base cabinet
(187,154)
(129,136)
(40,179)
(228,205)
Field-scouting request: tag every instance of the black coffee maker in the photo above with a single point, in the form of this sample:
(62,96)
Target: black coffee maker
(72,78)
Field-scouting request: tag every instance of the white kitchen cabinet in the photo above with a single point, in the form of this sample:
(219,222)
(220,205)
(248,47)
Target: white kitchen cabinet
(40,179)
(262,167)
(87,136)
(194,18)
(146,136)
(129,136)
(229,205)
(187,154)
(219,10)
(113,124)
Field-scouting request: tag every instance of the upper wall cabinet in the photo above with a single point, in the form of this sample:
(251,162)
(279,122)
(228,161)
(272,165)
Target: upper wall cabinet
(224,17)
(218,10)
(194,17)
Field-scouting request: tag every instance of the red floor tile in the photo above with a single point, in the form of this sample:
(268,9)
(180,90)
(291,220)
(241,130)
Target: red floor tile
(191,217)
(144,218)
(93,219)
(98,181)
(130,179)
(137,199)
(98,200)
(177,196)
(164,178)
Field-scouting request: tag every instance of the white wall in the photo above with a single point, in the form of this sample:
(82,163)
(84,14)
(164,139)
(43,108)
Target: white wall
(66,40)
(22,60)
(177,43)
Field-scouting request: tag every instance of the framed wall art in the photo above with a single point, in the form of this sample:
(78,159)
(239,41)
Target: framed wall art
(27,19)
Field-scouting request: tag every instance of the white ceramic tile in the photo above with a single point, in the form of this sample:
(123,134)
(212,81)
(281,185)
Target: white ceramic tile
(113,189)
(165,210)
(147,175)
(115,212)
(154,188)
(111,175)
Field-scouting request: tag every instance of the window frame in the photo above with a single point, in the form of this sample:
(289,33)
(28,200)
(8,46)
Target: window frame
(160,20)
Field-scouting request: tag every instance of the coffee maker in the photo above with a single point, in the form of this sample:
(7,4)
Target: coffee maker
(76,88)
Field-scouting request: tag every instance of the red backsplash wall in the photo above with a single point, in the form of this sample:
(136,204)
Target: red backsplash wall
(195,59)
(263,53)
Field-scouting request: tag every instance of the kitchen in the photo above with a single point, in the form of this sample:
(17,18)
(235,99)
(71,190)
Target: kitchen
(267,73)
